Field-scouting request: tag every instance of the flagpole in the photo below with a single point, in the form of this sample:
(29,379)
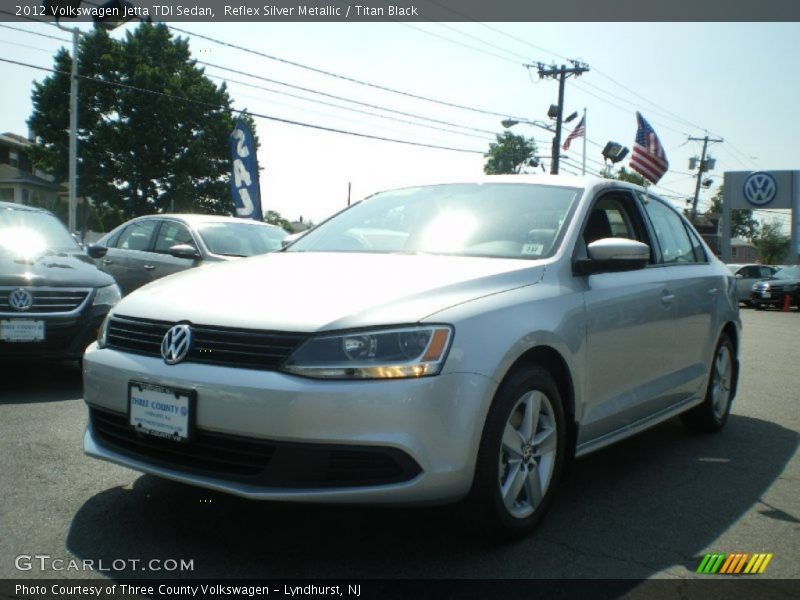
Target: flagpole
(584,142)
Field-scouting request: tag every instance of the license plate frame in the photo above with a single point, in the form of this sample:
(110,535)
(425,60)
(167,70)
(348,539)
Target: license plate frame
(36,327)
(162,411)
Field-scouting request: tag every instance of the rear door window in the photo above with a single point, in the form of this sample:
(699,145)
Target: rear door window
(137,235)
(171,234)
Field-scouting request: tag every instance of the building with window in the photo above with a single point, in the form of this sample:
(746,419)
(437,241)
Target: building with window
(19,181)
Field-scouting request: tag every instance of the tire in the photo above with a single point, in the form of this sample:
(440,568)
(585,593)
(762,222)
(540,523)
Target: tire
(520,460)
(712,414)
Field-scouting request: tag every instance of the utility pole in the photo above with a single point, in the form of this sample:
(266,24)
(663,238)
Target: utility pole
(703,167)
(561,73)
(73,129)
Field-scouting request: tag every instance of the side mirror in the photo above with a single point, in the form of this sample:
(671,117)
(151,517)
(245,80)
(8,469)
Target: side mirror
(610,255)
(739,276)
(184,251)
(96,251)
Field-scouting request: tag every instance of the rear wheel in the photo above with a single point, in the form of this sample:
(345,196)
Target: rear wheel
(521,456)
(712,414)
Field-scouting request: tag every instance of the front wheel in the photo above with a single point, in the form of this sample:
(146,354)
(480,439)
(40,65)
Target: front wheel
(712,414)
(521,455)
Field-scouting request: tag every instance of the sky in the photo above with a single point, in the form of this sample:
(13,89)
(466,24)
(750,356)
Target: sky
(735,81)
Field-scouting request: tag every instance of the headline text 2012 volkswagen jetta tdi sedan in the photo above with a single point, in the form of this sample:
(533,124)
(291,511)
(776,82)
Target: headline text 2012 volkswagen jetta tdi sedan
(427,345)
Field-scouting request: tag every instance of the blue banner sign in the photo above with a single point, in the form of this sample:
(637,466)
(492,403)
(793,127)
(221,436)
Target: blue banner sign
(244,173)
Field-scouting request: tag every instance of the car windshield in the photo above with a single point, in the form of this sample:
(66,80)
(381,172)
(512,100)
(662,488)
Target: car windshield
(504,220)
(28,234)
(788,273)
(240,239)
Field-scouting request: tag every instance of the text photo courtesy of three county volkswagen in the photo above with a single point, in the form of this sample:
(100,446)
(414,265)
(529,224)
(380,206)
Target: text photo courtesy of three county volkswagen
(272,309)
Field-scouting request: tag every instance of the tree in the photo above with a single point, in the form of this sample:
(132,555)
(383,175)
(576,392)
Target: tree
(273,217)
(624,175)
(509,151)
(140,152)
(743,223)
(772,244)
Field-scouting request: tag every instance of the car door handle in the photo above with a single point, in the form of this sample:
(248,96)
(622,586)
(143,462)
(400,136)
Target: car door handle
(667,298)
(108,261)
(713,291)
(149,267)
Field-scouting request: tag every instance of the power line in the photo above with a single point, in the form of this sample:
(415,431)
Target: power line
(339,76)
(52,37)
(26,46)
(666,113)
(349,108)
(452,41)
(253,114)
(342,98)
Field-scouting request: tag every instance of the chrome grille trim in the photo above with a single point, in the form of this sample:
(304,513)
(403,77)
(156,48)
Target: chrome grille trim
(213,345)
(47,301)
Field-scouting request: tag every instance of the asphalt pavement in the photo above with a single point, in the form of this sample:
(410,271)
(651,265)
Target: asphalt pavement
(650,507)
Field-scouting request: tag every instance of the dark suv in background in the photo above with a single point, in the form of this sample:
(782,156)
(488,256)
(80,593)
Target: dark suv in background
(52,296)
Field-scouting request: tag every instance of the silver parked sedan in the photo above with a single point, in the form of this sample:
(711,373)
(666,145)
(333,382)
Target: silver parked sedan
(427,345)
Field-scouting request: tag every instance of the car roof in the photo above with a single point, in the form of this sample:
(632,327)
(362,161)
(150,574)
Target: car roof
(196,219)
(573,181)
(25,207)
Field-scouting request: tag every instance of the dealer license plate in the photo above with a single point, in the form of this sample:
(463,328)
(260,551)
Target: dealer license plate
(160,411)
(766,295)
(22,330)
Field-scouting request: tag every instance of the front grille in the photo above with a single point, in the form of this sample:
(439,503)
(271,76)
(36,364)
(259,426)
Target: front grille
(254,461)
(211,453)
(46,300)
(227,346)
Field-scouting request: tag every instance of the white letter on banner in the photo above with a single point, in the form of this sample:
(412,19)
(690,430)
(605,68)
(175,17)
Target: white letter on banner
(240,173)
(247,204)
(240,149)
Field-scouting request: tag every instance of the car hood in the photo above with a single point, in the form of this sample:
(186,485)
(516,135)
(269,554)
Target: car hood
(778,282)
(294,291)
(57,270)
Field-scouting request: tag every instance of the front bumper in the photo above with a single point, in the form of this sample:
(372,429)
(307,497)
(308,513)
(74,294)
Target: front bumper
(65,336)
(378,442)
(773,297)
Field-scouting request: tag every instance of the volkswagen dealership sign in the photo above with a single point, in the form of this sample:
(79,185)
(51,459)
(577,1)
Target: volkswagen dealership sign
(761,189)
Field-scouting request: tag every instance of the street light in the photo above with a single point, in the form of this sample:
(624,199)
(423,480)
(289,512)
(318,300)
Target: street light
(614,152)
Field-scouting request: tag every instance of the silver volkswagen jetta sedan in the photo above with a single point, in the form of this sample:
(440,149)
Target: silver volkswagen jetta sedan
(428,345)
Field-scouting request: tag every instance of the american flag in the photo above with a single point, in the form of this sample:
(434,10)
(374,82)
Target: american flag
(579,131)
(648,157)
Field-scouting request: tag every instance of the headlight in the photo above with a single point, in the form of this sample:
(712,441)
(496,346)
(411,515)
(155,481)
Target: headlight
(102,333)
(374,354)
(108,295)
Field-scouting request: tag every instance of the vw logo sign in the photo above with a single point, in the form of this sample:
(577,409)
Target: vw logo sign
(20,299)
(760,188)
(176,343)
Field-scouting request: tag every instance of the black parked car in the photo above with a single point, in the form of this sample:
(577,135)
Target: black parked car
(52,296)
(772,291)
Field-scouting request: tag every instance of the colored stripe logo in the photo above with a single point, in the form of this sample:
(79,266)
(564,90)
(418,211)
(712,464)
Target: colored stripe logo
(736,563)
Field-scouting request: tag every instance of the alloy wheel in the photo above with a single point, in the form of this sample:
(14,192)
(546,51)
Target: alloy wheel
(527,454)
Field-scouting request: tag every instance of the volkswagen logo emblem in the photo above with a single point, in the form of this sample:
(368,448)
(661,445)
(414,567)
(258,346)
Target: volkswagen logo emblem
(20,299)
(760,188)
(176,343)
